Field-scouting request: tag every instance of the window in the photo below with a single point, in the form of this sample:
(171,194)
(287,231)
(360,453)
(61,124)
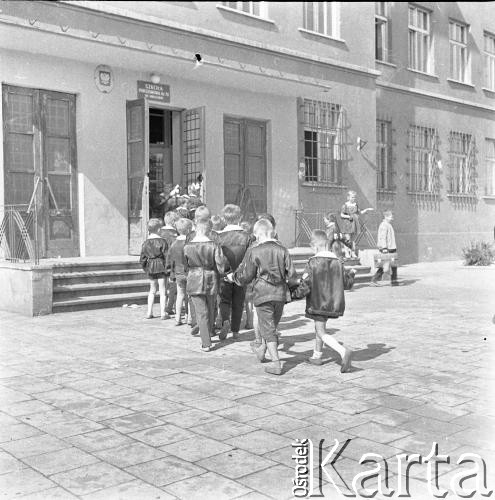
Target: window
(258,9)
(490,167)
(489,61)
(424,172)
(382,43)
(458,52)
(322,142)
(384,155)
(419,40)
(462,164)
(322,17)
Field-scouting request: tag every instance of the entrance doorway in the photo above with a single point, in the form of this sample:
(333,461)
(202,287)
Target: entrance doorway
(245,165)
(40,165)
(164,148)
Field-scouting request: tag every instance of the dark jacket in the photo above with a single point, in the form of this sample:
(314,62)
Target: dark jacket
(175,259)
(323,283)
(154,255)
(234,243)
(168,234)
(204,263)
(270,266)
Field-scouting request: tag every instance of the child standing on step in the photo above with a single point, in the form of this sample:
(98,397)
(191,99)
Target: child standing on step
(323,283)
(153,261)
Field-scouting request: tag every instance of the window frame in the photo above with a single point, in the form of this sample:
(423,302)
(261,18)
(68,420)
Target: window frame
(489,167)
(489,62)
(384,150)
(335,19)
(384,21)
(460,169)
(424,34)
(263,9)
(462,74)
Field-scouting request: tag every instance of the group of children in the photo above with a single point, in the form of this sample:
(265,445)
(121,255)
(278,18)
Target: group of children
(215,267)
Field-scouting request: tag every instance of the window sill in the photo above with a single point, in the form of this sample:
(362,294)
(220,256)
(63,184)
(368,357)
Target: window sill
(423,193)
(489,197)
(322,35)
(462,195)
(386,191)
(323,185)
(430,75)
(385,63)
(245,14)
(486,89)
(457,82)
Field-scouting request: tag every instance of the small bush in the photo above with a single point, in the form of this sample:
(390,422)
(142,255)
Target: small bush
(478,253)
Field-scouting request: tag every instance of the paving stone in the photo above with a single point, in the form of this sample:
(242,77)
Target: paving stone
(190,418)
(36,445)
(222,429)
(235,463)
(258,441)
(23,482)
(278,423)
(17,431)
(196,448)
(26,408)
(208,485)
(212,403)
(133,422)
(165,471)
(99,440)
(72,428)
(50,494)
(91,478)
(8,463)
(298,409)
(131,454)
(244,413)
(60,461)
(134,490)
(162,435)
(379,433)
(263,482)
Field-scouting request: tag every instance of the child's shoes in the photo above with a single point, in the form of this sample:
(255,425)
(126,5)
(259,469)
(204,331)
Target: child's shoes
(346,362)
(165,316)
(274,369)
(149,316)
(315,361)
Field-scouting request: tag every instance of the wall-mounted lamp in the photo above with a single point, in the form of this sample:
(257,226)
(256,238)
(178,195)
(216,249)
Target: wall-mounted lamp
(155,78)
(360,144)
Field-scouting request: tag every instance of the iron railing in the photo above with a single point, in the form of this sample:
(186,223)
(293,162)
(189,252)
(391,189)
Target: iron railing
(19,234)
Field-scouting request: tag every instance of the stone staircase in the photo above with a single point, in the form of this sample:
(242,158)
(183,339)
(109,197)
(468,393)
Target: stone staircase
(83,284)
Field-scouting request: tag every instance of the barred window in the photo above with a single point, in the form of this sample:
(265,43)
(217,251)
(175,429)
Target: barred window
(490,167)
(322,142)
(489,61)
(424,174)
(192,137)
(259,9)
(419,40)
(322,17)
(384,155)
(459,68)
(462,164)
(382,37)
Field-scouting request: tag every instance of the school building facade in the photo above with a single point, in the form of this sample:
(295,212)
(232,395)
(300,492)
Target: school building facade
(285,105)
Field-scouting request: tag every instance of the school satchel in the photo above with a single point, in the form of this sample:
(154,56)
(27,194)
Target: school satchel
(386,260)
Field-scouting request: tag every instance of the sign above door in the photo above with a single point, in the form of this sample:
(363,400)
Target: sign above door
(155,92)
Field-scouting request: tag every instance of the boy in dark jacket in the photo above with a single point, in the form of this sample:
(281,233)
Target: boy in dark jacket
(323,283)
(169,233)
(270,265)
(234,242)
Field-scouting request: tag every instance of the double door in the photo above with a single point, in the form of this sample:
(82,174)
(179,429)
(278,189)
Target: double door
(40,174)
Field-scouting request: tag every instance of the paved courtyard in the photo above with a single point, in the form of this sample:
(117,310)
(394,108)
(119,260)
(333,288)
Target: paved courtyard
(105,405)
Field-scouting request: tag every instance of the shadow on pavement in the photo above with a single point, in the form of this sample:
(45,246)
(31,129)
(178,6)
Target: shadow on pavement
(372,351)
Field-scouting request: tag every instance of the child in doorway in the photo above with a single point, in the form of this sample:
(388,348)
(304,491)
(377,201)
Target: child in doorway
(153,261)
(169,233)
(349,215)
(386,244)
(175,262)
(323,283)
(204,263)
(270,265)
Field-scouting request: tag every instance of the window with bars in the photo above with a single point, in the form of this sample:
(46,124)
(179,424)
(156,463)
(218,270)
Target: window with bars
(382,37)
(462,166)
(419,40)
(459,58)
(192,137)
(322,125)
(258,9)
(424,172)
(322,17)
(384,156)
(490,167)
(489,61)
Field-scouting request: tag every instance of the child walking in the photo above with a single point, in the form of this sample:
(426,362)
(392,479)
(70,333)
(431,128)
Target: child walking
(204,263)
(386,244)
(153,261)
(175,263)
(323,284)
(270,265)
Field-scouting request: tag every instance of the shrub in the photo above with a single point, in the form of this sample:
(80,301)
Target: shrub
(478,253)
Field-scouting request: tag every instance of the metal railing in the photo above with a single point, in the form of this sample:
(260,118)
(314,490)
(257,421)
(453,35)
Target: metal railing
(18,233)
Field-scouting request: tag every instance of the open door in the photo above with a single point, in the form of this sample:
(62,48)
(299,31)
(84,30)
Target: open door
(137,172)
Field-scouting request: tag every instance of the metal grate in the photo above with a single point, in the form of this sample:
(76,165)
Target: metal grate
(384,156)
(490,167)
(323,142)
(462,168)
(424,171)
(192,146)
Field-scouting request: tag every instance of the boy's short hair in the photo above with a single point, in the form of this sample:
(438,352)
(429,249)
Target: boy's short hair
(246,226)
(268,217)
(170,218)
(183,226)
(319,238)
(387,213)
(217,222)
(337,247)
(203,227)
(231,213)
(154,225)
(263,227)
(202,214)
(350,193)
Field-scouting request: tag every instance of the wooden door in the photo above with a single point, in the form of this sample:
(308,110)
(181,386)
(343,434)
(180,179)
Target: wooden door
(137,173)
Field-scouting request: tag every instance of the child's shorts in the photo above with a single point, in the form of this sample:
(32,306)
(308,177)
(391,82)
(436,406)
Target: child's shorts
(318,317)
(156,276)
